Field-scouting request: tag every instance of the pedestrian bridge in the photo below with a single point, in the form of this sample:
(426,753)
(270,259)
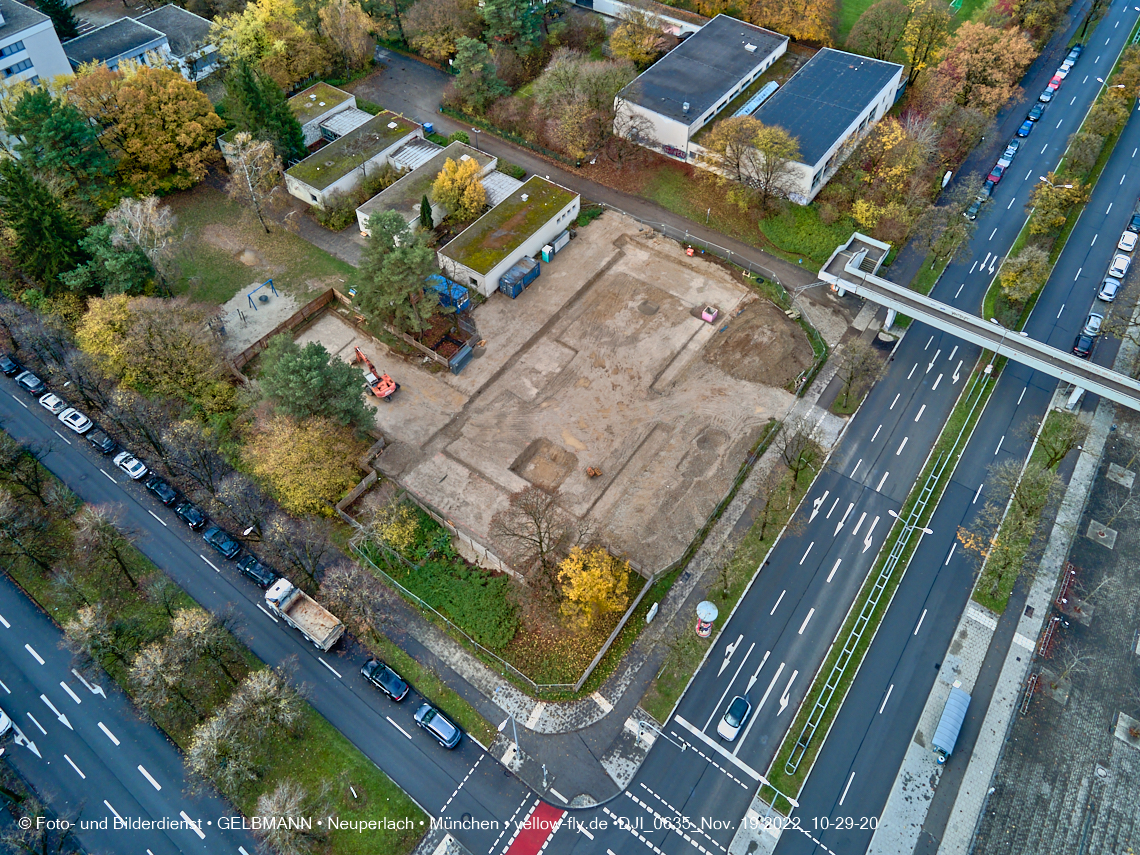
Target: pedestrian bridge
(853,268)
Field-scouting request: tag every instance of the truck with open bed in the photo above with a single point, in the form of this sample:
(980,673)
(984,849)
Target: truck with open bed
(304,614)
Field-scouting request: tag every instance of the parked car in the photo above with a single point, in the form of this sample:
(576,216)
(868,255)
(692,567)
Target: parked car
(258,572)
(190,514)
(1025,129)
(1093,324)
(53,403)
(75,420)
(1134,223)
(1075,52)
(1067,65)
(1108,289)
(30,383)
(996,173)
(1083,345)
(385,679)
(5,723)
(971,213)
(1119,266)
(734,718)
(9,365)
(1036,113)
(1058,79)
(102,443)
(1013,146)
(161,489)
(987,189)
(437,724)
(1046,96)
(130,464)
(218,538)
(1127,241)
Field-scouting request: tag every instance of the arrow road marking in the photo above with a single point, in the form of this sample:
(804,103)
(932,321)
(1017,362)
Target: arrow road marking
(771,685)
(957,376)
(20,739)
(39,658)
(867,539)
(729,649)
(845,516)
(62,718)
(730,682)
(935,359)
(815,505)
(110,735)
(95,690)
(752,680)
(67,689)
(784,697)
(838,561)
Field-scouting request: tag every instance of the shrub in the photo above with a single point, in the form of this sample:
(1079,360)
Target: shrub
(339,214)
(511,169)
(460,136)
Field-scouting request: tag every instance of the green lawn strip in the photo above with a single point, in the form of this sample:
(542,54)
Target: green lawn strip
(803,237)
(429,684)
(215,233)
(952,441)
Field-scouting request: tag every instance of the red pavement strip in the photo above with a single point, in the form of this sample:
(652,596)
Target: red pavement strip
(538,828)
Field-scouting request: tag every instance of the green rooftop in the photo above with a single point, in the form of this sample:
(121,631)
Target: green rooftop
(497,233)
(331,163)
(316,100)
(406,194)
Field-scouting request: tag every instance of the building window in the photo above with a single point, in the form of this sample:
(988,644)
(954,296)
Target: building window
(313,197)
(8,50)
(22,65)
(35,80)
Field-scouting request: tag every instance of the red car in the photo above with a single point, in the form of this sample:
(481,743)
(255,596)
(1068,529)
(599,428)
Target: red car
(1056,81)
(995,174)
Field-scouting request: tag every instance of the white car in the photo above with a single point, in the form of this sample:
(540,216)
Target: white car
(53,403)
(1127,243)
(1119,266)
(5,723)
(131,465)
(75,420)
(1063,71)
(734,718)
(1108,289)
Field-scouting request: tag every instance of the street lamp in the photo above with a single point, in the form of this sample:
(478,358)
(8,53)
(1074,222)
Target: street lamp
(896,516)
(476,131)
(1051,184)
(1114,86)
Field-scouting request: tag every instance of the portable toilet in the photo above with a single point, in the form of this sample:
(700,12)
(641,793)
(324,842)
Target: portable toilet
(547,253)
(953,714)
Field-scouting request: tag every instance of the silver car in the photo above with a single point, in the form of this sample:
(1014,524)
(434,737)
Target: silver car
(131,465)
(734,717)
(1127,241)
(53,403)
(1108,289)
(75,420)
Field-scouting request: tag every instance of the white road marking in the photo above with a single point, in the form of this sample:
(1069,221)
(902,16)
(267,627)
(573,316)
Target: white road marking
(803,625)
(870,531)
(859,524)
(994,232)
(110,735)
(208,561)
(112,810)
(1079,269)
(67,689)
(1059,123)
(752,680)
(1074,101)
(104,471)
(882,481)
(32,651)
(845,789)
(6,624)
(148,776)
(818,503)
(956,293)
(194,825)
(857,465)
(886,698)
(838,561)
(833,506)
(1134,151)
(777,602)
(921,410)
(397,727)
(902,445)
(95,690)
(895,401)
(76,768)
(5,688)
(1000,441)
(157,517)
(953,546)
(744,767)
(1010,205)
(730,682)
(330,667)
(932,337)
(1122,177)
(1022,395)
(915,364)
(267,612)
(921,618)
(806,551)
(1060,310)
(61,436)
(953,352)
(18,401)
(581,828)
(787,690)
(937,380)
(729,649)
(37,724)
(977,494)
(62,718)
(955,377)
(1044,148)
(771,685)
(973,267)
(1109,208)
(876,434)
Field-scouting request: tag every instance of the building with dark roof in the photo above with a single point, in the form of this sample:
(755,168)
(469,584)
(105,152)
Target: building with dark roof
(188,40)
(29,47)
(689,86)
(830,102)
(114,43)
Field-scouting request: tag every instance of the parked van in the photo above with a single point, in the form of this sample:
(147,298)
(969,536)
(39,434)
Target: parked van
(953,714)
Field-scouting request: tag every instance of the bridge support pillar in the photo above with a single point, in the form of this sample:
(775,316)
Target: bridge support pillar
(891,315)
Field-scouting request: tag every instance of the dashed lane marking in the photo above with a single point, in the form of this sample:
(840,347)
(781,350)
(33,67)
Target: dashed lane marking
(464,781)
(78,771)
(32,651)
(330,667)
(110,735)
(149,777)
(391,722)
(194,825)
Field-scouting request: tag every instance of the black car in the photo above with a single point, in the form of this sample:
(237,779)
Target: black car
(1083,346)
(190,514)
(9,365)
(385,679)
(971,213)
(159,486)
(1134,223)
(102,443)
(218,538)
(437,724)
(258,572)
(1036,113)
(30,383)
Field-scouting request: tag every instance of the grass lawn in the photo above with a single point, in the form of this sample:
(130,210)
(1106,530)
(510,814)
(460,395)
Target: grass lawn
(216,235)
(804,237)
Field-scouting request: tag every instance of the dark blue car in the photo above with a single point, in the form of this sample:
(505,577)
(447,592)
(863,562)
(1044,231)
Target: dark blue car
(221,541)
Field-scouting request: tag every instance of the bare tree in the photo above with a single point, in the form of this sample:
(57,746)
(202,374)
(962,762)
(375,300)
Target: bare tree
(193,453)
(536,529)
(265,702)
(89,636)
(1073,661)
(301,546)
(255,171)
(25,530)
(98,534)
(632,138)
(161,589)
(145,224)
(67,580)
(159,671)
(246,502)
(860,364)
(141,421)
(290,800)
(798,444)
(1062,433)
(37,832)
(222,751)
(198,633)
(360,599)
(21,472)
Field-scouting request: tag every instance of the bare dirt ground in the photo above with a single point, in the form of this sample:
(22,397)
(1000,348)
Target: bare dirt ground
(759,346)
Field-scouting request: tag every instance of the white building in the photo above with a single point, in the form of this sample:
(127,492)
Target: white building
(517,227)
(115,43)
(319,104)
(29,47)
(689,87)
(827,106)
(187,40)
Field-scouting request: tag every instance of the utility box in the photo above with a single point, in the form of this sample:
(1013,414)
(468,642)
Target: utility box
(519,277)
(561,240)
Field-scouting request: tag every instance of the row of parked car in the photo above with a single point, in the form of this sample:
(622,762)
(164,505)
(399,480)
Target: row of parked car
(1014,145)
(376,672)
(136,470)
(1109,286)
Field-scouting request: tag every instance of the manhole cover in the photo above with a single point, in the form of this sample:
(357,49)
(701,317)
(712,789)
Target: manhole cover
(466,817)
(647,308)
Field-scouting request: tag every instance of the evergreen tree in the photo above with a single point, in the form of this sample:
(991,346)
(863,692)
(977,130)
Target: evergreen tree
(57,138)
(303,382)
(426,218)
(255,103)
(476,81)
(390,280)
(112,269)
(62,18)
(47,232)
(515,22)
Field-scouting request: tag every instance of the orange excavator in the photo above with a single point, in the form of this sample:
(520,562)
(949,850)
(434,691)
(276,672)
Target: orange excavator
(380,385)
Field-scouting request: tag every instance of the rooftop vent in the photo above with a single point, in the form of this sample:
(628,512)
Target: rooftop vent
(465,157)
(685,107)
(392,126)
(525,197)
(312,97)
(750,48)
(322,103)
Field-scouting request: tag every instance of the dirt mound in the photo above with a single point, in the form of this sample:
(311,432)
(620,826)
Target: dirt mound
(761,345)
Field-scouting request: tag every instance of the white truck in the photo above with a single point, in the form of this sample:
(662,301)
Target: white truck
(304,614)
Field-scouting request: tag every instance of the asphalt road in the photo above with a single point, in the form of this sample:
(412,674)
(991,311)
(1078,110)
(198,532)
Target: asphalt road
(81,744)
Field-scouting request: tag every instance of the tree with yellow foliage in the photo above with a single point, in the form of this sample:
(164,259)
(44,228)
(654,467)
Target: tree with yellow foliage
(593,583)
(926,34)
(639,37)
(308,465)
(267,33)
(459,190)
(806,20)
(397,526)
